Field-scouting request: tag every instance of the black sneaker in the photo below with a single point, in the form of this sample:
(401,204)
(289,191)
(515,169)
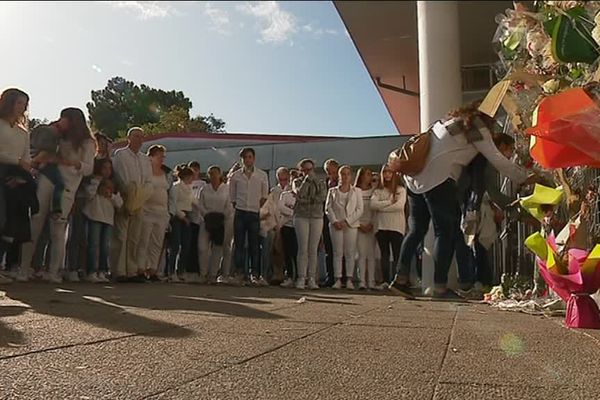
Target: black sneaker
(137,279)
(401,290)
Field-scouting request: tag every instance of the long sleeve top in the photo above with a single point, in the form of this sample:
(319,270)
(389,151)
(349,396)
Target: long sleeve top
(347,206)
(84,154)
(197,186)
(449,154)
(14,144)
(367,216)
(247,192)
(100,208)
(130,167)
(311,194)
(287,202)
(215,201)
(182,199)
(389,216)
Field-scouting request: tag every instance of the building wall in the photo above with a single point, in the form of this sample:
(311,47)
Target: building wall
(356,152)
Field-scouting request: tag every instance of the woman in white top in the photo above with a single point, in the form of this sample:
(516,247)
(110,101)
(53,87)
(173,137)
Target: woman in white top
(14,153)
(344,207)
(366,233)
(216,211)
(102,200)
(76,160)
(155,214)
(182,202)
(432,193)
(388,203)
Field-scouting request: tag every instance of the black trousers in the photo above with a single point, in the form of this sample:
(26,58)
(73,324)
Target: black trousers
(385,239)
(290,250)
(193,264)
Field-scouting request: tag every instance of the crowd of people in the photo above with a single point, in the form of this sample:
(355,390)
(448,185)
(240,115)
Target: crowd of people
(72,208)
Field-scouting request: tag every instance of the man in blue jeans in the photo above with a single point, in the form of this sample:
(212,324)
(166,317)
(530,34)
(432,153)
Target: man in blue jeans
(248,191)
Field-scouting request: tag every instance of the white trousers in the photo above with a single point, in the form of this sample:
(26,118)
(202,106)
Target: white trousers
(154,228)
(308,233)
(366,244)
(214,257)
(126,244)
(58,227)
(344,245)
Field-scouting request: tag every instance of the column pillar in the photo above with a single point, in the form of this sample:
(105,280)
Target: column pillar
(440,84)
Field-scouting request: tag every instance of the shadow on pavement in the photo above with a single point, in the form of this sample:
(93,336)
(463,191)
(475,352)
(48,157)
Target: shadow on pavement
(8,335)
(114,307)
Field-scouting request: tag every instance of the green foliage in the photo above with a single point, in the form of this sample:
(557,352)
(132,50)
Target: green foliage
(123,104)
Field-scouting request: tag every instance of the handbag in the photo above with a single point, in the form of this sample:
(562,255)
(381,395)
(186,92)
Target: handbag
(411,157)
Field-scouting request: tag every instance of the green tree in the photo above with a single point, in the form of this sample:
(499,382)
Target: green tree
(123,104)
(33,122)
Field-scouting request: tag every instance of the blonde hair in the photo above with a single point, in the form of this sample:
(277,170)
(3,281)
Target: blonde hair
(342,168)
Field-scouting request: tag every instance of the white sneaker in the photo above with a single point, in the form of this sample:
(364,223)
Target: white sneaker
(53,278)
(236,280)
(429,291)
(337,285)
(103,278)
(191,277)
(312,285)
(224,280)
(349,284)
(262,282)
(73,276)
(23,275)
(93,278)
(5,280)
(300,284)
(288,283)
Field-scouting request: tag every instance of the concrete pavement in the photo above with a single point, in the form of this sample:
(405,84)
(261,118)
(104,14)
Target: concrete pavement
(160,341)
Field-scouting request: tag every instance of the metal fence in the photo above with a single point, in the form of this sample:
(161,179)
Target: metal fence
(509,253)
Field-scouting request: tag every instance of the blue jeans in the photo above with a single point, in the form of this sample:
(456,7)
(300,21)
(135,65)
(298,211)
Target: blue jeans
(52,172)
(246,223)
(179,246)
(99,237)
(440,205)
(464,261)
(266,254)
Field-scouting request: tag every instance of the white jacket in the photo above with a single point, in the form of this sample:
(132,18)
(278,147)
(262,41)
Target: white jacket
(99,208)
(268,216)
(182,199)
(287,202)
(350,210)
(388,216)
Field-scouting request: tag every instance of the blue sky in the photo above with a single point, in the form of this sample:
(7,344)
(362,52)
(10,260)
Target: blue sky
(272,67)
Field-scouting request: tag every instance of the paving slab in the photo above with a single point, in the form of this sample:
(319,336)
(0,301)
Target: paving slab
(200,342)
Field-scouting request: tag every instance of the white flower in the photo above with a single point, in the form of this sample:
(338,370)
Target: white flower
(551,86)
(596,30)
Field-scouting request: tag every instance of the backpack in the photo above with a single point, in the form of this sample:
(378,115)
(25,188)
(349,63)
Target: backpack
(410,158)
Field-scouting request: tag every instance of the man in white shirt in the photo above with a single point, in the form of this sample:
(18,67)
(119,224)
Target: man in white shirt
(248,189)
(131,169)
